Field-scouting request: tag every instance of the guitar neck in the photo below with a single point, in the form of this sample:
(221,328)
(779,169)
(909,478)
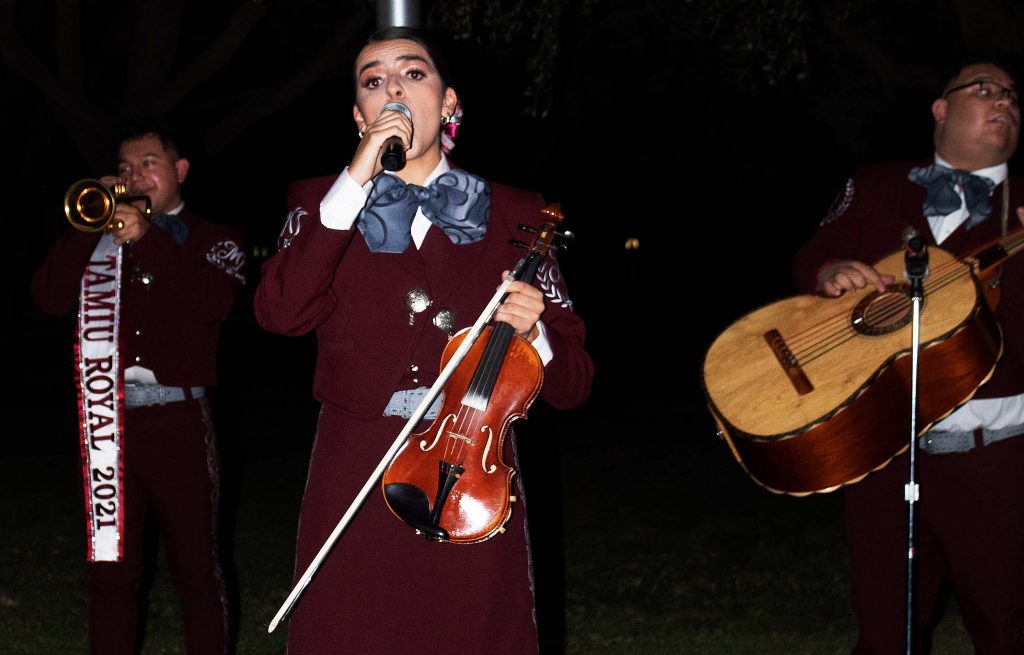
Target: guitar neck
(996,252)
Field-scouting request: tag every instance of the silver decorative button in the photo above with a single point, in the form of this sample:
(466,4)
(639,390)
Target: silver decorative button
(444,320)
(416,300)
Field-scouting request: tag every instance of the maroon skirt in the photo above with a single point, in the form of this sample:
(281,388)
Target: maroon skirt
(386,589)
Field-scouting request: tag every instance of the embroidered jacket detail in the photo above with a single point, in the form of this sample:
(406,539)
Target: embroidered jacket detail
(228,256)
(842,202)
(549,280)
(292,227)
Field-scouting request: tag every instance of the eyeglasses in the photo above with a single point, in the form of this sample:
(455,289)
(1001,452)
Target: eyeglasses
(987,89)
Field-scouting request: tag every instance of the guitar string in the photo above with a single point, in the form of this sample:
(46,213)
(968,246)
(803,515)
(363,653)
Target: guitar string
(840,320)
(840,331)
(898,307)
(1011,245)
(843,331)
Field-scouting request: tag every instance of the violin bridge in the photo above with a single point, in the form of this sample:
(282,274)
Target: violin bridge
(461,437)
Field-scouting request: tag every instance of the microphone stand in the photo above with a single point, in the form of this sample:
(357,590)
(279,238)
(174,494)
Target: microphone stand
(916,262)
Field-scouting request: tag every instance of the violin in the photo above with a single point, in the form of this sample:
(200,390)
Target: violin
(450,482)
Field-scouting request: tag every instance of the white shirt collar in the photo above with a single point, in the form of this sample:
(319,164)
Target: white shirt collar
(995,173)
(943,226)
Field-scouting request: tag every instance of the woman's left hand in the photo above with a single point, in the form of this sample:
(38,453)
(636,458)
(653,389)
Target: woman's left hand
(522,308)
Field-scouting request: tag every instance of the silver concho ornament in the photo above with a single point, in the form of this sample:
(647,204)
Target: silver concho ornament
(416,300)
(139,275)
(444,320)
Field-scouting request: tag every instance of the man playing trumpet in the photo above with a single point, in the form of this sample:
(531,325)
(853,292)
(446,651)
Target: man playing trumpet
(150,286)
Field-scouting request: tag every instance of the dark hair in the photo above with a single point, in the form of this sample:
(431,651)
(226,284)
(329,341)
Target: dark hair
(136,127)
(1008,63)
(420,36)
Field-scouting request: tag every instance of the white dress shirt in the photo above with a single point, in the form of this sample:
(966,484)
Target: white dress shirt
(992,413)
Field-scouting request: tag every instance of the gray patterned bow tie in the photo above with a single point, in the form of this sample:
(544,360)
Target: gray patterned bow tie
(942,197)
(457,202)
(173,225)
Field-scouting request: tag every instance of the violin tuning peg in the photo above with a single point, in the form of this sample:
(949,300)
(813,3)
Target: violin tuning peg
(528,228)
(567,236)
(517,243)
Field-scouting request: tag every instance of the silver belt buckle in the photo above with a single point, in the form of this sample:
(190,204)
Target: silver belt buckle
(404,403)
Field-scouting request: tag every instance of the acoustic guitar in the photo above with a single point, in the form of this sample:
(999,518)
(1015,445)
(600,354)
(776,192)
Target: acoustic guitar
(814,393)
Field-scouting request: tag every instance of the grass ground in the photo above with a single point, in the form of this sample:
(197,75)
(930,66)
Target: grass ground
(656,545)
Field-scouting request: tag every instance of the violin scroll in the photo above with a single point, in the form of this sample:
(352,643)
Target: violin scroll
(546,234)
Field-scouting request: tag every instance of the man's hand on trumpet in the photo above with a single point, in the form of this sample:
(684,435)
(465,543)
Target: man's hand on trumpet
(129,223)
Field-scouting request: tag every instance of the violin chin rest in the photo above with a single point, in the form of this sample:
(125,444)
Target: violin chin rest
(411,505)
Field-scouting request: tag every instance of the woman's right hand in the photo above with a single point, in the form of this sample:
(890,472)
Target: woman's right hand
(365,162)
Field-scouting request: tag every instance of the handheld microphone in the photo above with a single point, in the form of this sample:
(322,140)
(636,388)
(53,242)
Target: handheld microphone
(392,156)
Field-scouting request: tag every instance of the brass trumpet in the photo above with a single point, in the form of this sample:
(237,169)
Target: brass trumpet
(89,205)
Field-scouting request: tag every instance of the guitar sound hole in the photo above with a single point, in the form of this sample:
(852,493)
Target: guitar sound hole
(882,313)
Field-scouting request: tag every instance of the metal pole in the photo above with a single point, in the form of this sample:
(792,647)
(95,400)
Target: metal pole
(916,263)
(398,13)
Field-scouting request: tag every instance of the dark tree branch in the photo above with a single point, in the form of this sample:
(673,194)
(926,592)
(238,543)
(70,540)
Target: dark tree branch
(986,25)
(886,68)
(157,30)
(214,58)
(67,45)
(283,94)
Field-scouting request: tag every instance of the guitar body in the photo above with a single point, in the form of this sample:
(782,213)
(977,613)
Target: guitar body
(814,393)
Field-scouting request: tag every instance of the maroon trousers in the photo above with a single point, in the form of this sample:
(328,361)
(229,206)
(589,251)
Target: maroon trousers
(172,469)
(970,532)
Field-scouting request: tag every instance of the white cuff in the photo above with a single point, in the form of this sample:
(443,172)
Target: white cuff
(542,345)
(341,205)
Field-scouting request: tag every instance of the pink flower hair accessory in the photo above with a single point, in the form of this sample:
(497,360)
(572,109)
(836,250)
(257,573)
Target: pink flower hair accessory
(449,128)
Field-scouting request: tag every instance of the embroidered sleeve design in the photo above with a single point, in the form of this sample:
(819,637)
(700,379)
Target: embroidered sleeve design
(292,226)
(841,203)
(228,256)
(549,280)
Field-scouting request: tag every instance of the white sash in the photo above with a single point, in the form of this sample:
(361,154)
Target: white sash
(101,401)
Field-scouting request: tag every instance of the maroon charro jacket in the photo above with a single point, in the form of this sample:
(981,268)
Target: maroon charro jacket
(328,281)
(172,324)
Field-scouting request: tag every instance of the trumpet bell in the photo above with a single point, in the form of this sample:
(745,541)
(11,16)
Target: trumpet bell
(89,205)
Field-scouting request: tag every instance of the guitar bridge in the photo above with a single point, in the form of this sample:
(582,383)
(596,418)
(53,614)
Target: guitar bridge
(788,362)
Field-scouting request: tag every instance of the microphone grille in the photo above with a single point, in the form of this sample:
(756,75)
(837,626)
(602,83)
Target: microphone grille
(397,106)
